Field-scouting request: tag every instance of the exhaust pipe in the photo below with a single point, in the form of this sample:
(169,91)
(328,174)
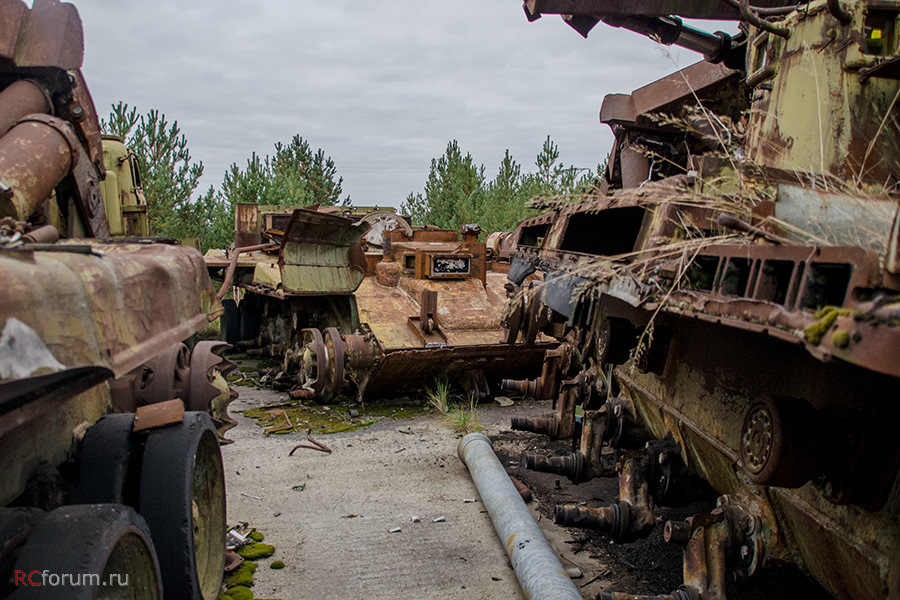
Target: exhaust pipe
(540,574)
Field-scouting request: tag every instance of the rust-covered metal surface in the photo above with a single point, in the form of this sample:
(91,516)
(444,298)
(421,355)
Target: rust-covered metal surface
(732,291)
(51,144)
(87,327)
(76,314)
(361,303)
(108,305)
(318,254)
(48,35)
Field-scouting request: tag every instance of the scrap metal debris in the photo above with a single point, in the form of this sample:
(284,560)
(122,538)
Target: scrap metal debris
(316,445)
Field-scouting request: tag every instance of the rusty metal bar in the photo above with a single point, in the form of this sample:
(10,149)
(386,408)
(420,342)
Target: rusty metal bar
(229,274)
(544,425)
(537,567)
(48,234)
(838,12)
(754,19)
(568,465)
(609,519)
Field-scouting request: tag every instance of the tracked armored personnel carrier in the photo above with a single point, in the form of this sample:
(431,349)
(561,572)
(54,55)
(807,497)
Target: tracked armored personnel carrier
(112,480)
(732,291)
(360,303)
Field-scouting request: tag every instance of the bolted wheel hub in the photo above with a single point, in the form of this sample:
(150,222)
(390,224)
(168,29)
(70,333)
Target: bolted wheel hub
(756,439)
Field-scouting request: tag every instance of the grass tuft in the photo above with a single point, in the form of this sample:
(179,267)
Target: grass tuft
(439,396)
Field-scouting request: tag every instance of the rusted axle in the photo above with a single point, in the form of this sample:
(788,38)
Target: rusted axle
(630,518)
(682,593)
(543,425)
(560,425)
(586,463)
(614,520)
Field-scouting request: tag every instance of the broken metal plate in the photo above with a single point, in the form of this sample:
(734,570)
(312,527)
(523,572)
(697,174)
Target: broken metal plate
(319,254)
(158,415)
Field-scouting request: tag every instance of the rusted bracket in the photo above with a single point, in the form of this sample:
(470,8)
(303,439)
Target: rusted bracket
(727,540)
(838,12)
(229,273)
(751,17)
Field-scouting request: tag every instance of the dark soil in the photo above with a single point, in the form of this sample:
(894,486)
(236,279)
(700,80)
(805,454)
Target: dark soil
(648,566)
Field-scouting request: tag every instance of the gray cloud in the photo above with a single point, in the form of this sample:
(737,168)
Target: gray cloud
(381,87)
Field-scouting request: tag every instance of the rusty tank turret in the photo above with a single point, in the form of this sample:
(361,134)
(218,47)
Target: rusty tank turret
(110,406)
(733,285)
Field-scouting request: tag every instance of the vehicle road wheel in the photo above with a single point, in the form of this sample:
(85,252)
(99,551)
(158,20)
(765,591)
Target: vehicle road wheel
(182,497)
(109,464)
(84,541)
(778,445)
(615,339)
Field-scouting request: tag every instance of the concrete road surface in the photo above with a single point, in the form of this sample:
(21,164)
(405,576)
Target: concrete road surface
(330,516)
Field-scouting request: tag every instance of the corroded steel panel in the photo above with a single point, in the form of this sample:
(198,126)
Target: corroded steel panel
(107,305)
(411,369)
(468,313)
(317,254)
(246,224)
(49,35)
(681,86)
(42,431)
(385,311)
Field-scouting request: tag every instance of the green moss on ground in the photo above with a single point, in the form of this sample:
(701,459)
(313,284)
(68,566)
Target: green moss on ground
(255,551)
(330,419)
(277,564)
(256,536)
(237,593)
(242,576)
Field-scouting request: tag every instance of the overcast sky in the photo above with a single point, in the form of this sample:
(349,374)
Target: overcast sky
(381,87)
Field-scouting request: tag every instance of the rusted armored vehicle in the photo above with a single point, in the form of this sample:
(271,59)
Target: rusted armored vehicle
(732,292)
(110,487)
(363,304)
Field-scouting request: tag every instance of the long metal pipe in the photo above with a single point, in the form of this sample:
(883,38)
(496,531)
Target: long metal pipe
(540,574)
(671,30)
